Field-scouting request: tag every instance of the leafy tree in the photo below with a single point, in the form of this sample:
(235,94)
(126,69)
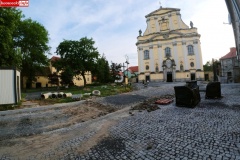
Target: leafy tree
(53,78)
(9,21)
(102,70)
(67,76)
(213,66)
(23,43)
(115,70)
(80,56)
(208,66)
(32,38)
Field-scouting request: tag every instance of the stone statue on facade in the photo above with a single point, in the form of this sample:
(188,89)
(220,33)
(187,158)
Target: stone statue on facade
(140,32)
(191,24)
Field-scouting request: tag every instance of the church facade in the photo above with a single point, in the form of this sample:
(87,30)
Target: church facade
(169,50)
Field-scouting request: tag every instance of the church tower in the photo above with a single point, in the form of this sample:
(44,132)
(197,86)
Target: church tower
(169,50)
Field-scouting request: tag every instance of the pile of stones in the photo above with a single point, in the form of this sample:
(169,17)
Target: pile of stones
(149,103)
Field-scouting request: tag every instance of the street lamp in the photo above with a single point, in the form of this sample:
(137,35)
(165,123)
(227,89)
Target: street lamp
(126,77)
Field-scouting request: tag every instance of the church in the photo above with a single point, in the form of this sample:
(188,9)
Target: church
(169,50)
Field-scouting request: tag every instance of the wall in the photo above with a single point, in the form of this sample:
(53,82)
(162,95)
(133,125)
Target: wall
(10,92)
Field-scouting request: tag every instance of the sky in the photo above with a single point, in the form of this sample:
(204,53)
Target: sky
(114,25)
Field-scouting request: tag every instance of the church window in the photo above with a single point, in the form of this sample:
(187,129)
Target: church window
(147,67)
(167,52)
(146,54)
(181,67)
(192,64)
(190,50)
(156,68)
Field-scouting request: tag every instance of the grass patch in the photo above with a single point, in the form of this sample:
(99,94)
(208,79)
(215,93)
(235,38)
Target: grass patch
(105,89)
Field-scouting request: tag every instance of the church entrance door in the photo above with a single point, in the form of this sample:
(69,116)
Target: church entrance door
(147,78)
(169,77)
(193,77)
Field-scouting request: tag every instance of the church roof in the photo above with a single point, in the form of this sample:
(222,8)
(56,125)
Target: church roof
(161,9)
(231,54)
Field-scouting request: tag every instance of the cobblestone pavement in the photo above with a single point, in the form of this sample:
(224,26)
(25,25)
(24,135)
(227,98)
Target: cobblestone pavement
(209,131)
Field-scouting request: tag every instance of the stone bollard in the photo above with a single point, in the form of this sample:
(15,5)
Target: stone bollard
(213,90)
(96,93)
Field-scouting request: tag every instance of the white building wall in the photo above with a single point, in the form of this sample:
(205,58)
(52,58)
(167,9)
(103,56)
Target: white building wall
(140,61)
(7,95)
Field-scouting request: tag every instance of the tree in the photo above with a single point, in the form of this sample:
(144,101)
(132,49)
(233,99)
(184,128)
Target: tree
(208,66)
(53,78)
(32,38)
(23,43)
(9,21)
(80,56)
(102,70)
(67,76)
(115,70)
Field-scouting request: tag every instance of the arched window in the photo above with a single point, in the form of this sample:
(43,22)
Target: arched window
(190,50)
(168,52)
(147,67)
(192,64)
(156,68)
(181,67)
(146,54)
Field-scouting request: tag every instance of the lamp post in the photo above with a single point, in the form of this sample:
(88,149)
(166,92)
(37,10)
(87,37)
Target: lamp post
(126,81)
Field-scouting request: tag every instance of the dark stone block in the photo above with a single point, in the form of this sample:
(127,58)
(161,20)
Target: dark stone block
(186,96)
(213,90)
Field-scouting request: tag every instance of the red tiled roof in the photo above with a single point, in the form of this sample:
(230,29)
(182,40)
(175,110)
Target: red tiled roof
(133,68)
(231,54)
(54,58)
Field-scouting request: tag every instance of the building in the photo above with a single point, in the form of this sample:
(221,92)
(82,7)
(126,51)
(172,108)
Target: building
(234,12)
(10,89)
(131,72)
(169,50)
(230,68)
(42,78)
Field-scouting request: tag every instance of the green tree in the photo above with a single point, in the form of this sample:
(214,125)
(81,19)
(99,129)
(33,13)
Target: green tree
(115,71)
(53,78)
(80,56)
(10,19)
(102,70)
(67,76)
(23,43)
(32,38)
(208,66)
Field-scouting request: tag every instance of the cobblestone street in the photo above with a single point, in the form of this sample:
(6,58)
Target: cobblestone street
(210,131)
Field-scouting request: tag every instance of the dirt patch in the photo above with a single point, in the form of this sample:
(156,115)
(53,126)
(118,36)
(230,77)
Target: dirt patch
(81,113)
(50,142)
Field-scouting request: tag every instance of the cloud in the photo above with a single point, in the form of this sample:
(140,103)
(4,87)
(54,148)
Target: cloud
(114,25)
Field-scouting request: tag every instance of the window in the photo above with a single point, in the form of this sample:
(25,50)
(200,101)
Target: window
(181,67)
(156,69)
(192,64)
(147,67)
(167,52)
(146,54)
(190,50)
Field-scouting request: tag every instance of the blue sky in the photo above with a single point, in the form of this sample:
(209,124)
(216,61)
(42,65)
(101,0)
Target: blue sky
(114,25)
